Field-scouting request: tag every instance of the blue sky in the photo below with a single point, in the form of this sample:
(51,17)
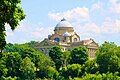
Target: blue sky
(97,19)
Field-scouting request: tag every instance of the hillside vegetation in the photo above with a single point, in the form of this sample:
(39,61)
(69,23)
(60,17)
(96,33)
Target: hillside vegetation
(23,62)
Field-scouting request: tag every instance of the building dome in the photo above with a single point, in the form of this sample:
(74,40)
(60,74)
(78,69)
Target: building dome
(64,23)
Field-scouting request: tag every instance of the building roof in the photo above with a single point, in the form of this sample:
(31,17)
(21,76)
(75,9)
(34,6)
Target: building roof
(88,41)
(64,23)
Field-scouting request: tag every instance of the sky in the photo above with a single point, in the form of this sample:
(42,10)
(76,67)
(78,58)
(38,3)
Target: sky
(96,19)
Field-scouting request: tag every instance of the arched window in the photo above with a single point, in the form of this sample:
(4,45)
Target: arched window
(75,39)
(57,39)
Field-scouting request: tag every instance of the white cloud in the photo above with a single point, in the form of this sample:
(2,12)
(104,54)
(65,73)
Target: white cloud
(88,30)
(91,29)
(115,6)
(118,25)
(42,32)
(26,32)
(23,27)
(110,27)
(37,31)
(96,6)
(73,14)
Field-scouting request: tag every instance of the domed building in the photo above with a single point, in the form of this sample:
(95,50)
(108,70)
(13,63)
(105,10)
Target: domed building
(65,36)
(64,33)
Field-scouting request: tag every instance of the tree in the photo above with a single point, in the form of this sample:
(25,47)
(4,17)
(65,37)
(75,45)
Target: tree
(107,76)
(10,13)
(3,68)
(65,58)
(49,73)
(108,58)
(90,66)
(13,61)
(55,53)
(73,70)
(27,69)
(79,55)
(40,60)
(52,73)
(10,64)
(32,43)
(105,47)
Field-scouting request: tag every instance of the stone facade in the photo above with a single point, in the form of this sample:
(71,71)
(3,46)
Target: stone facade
(65,36)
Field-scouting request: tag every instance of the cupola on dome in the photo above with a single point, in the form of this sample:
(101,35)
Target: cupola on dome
(66,34)
(64,23)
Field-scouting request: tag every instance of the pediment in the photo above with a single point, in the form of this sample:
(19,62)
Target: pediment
(93,44)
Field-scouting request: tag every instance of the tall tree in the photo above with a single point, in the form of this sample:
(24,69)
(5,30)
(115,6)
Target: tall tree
(10,13)
(108,58)
(79,55)
(56,55)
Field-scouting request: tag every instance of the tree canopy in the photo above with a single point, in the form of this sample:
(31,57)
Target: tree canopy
(108,58)
(22,61)
(11,13)
(79,55)
(55,53)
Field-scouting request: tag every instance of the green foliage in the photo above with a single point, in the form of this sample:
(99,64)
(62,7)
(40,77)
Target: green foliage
(90,67)
(3,69)
(65,58)
(9,78)
(106,46)
(2,41)
(107,76)
(49,73)
(73,70)
(108,58)
(52,73)
(16,53)
(39,59)
(32,43)
(10,13)
(55,53)
(27,69)
(10,63)
(13,61)
(20,62)
(79,55)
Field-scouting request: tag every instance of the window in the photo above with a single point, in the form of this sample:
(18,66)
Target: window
(57,39)
(75,39)
(65,38)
